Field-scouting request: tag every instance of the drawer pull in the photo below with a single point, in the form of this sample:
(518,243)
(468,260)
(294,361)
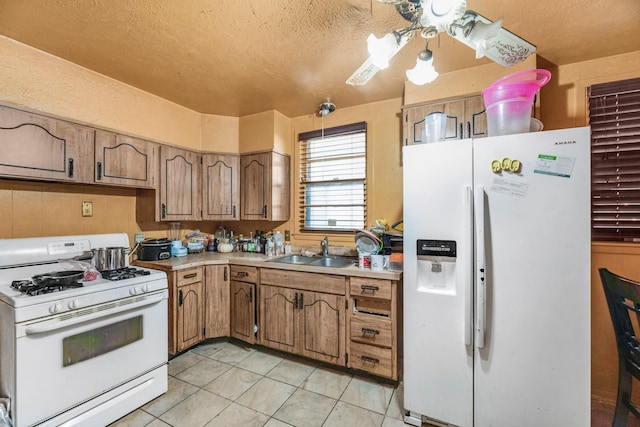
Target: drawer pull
(370,331)
(369,288)
(370,359)
(241,273)
(190,276)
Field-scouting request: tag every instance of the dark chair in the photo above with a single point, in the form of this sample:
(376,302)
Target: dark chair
(623,297)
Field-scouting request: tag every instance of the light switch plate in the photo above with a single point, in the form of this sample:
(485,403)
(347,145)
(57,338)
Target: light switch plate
(87,208)
(287,235)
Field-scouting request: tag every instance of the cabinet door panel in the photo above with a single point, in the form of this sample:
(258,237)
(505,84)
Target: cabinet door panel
(189,315)
(34,146)
(476,117)
(278,315)
(256,183)
(179,184)
(243,311)
(216,292)
(221,186)
(323,331)
(124,160)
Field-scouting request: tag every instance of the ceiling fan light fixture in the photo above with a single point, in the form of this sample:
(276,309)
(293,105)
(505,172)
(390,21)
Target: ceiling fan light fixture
(423,72)
(441,13)
(382,49)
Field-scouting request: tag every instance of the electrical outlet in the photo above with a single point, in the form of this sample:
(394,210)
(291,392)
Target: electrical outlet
(287,235)
(87,208)
(138,237)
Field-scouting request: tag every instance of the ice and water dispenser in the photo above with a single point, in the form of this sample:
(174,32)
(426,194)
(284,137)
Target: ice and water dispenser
(436,266)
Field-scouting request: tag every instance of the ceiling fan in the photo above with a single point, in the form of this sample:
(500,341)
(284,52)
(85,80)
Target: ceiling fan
(430,18)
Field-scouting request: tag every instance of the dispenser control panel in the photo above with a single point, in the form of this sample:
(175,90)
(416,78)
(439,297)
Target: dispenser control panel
(444,248)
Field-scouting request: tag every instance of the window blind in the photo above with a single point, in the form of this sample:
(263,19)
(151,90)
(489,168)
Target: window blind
(333,169)
(614,116)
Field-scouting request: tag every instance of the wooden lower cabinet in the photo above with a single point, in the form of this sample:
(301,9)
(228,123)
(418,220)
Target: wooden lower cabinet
(198,305)
(217,300)
(374,324)
(243,311)
(189,306)
(298,320)
(243,302)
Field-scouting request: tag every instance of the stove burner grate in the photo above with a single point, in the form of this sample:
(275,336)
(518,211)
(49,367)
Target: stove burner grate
(124,273)
(40,287)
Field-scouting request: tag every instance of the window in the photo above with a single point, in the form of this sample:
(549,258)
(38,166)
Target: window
(614,116)
(333,174)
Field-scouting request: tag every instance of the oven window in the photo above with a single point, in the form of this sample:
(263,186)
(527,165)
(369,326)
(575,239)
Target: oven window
(95,342)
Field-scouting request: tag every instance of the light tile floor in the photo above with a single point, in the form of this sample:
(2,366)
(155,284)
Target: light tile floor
(224,384)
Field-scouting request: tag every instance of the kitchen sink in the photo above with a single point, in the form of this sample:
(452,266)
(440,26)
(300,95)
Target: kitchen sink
(293,259)
(336,262)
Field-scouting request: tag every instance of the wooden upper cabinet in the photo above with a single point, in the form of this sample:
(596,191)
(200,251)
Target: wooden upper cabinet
(466,118)
(38,147)
(265,186)
(179,184)
(221,187)
(125,160)
(476,117)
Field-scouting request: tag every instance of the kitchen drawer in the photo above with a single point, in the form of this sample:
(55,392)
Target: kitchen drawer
(370,288)
(314,282)
(371,330)
(375,360)
(243,273)
(191,275)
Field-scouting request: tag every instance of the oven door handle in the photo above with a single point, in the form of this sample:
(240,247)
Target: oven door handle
(56,324)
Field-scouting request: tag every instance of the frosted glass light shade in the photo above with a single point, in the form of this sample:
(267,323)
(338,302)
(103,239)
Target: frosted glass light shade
(423,72)
(382,49)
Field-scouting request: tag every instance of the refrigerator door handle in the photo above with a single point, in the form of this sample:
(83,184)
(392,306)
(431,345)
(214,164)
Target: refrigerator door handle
(468,280)
(481,302)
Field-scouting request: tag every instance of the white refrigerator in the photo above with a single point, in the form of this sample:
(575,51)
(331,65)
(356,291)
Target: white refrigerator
(497,281)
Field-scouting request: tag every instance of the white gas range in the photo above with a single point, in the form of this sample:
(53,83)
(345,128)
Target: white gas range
(78,352)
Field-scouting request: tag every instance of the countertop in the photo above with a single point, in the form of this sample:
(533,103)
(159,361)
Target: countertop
(260,260)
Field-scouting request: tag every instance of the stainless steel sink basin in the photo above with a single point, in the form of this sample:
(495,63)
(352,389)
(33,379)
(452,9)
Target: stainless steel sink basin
(336,262)
(293,259)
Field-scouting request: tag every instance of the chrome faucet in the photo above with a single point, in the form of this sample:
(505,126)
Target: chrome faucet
(325,246)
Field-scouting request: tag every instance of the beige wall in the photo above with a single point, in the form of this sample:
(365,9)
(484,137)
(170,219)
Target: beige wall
(220,134)
(39,81)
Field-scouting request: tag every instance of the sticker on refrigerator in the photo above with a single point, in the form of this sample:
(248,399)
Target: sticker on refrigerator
(509,187)
(547,164)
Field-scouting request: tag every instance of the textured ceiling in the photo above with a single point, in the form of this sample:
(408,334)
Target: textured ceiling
(237,58)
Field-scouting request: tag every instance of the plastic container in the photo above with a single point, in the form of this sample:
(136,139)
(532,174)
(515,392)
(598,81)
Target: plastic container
(509,101)
(278,242)
(435,126)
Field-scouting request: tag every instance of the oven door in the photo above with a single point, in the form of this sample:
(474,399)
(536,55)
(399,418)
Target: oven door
(65,360)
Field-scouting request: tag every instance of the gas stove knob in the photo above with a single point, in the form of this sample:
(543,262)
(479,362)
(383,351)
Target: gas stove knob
(74,304)
(56,308)
(145,288)
(133,291)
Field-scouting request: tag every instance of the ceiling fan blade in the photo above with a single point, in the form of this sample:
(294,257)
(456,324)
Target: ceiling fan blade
(505,48)
(363,74)
(368,69)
